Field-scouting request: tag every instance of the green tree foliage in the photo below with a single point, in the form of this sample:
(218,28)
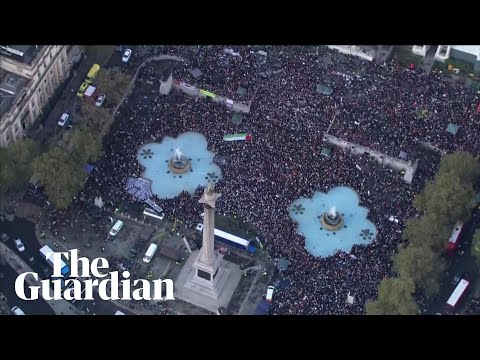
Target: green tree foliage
(422,265)
(83,145)
(420,201)
(114,83)
(61,175)
(476,246)
(97,120)
(449,198)
(16,164)
(462,165)
(395,297)
(427,231)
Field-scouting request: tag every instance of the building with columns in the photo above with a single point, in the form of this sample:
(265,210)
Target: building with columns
(29,75)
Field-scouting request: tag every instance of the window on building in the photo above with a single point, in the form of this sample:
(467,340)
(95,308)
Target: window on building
(7,137)
(51,72)
(39,89)
(63,60)
(21,99)
(45,81)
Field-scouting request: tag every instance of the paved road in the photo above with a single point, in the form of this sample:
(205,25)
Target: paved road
(459,264)
(7,288)
(116,59)
(25,230)
(69,102)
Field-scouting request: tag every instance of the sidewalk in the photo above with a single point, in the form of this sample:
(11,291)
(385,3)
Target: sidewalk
(60,307)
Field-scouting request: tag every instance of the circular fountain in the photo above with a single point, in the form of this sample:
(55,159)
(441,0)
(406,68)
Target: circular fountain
(332,220)
(326,229)
(179,163)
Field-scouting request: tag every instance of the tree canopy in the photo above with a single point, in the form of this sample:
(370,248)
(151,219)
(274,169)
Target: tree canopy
(395,297)
(422,265)
(476,246)
(61,175)
(428,231)
(462,165)
(16,164)
(96,119)
(61,170)
(114,83)
(449,198)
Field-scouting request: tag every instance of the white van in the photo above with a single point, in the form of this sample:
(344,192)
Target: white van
(116,228)
(17,311)
(150,252)
(270,291)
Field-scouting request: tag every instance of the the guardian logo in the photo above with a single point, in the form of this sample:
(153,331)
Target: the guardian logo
(80,286)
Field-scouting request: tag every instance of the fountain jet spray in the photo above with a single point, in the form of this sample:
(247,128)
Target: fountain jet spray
(333,212)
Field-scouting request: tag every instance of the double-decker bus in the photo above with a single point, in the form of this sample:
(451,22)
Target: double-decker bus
(47,254)
(455,239)
(457,296)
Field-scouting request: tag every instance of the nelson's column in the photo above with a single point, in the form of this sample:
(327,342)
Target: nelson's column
(207,280)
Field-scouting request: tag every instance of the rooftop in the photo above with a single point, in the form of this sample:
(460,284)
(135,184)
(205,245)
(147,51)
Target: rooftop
(10,87)
(25,54)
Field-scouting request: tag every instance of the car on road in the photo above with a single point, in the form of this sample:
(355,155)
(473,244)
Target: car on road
(63,119)
(269,295)
(17,311)
(48,272)
(82,89)
(19,245)
(4,237)
(456,279)
(126,55)
(100,100)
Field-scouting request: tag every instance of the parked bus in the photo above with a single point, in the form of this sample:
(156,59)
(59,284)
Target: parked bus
(457,296)
(231,240)
(92,74)
(455,239)
(47,254)
(153,213)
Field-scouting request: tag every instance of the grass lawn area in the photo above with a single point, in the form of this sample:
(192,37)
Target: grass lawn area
(439,66)
(406,57)
(465,68)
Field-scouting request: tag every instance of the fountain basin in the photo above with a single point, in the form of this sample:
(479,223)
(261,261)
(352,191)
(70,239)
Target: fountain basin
(171,172)
(353,229)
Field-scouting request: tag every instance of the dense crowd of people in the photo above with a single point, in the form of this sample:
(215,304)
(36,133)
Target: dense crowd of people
(385,107)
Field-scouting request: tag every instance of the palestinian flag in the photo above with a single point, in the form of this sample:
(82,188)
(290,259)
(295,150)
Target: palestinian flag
(238,137)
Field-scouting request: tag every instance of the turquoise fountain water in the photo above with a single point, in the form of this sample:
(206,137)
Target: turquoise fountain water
(321,242)
(167,182)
